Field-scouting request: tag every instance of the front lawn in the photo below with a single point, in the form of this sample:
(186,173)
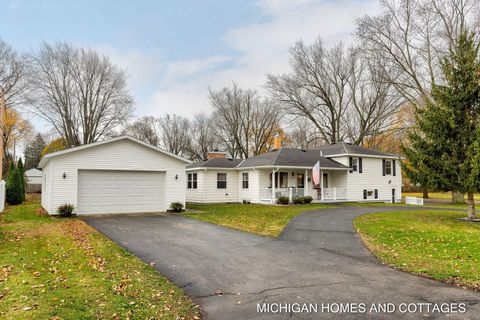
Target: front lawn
(64,269)
(431,243)
(435,195)
(266,220)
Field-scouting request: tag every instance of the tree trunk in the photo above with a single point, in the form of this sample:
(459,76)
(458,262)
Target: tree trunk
(471,206)
(425,193)
(458,197)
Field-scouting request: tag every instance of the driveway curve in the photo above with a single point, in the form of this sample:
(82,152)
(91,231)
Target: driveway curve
(318,259)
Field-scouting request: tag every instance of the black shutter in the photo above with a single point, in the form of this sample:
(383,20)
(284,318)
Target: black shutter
(376,193)
(350,164)
(394,168)
(383,166)
(365,194)
(360,166)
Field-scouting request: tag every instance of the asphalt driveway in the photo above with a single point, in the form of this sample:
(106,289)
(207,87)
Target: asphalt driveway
(317,259)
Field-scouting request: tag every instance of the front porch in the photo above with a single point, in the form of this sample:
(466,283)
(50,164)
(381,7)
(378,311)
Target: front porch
(293,183)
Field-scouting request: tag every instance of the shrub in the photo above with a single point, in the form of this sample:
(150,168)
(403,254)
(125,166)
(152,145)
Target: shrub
(21,173)
(298,200)
(307,199)
(14,191)
(176,207)
(65,210)
(283,200)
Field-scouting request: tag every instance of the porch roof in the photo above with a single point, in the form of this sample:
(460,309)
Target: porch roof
(287,157)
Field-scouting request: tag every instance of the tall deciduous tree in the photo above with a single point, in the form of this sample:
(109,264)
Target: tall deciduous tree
(441,152)
(174,133)
(79,92)
(33,152)
(12,74)
(245,122)
(203,137)
(145,129)
(336,90)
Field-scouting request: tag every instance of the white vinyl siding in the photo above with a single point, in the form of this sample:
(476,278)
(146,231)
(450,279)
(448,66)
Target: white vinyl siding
(118,155)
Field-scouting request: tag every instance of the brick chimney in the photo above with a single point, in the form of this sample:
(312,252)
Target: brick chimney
(216,154)
(277,142)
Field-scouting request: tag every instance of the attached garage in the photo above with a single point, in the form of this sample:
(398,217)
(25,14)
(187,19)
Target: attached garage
(120,175)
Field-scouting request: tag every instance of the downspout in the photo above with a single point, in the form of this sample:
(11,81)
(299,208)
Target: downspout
(203,185)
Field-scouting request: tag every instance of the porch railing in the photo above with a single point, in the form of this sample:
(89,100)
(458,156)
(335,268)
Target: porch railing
(326,194)
(333,194)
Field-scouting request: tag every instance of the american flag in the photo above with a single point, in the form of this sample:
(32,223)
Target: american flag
(316,173)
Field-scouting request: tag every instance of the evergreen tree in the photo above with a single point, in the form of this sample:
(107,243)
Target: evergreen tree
(33,152)
(14,188)
(21,173)
(441,151)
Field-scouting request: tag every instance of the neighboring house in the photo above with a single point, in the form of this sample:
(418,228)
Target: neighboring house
(120,175)
(347,173)
(33,180)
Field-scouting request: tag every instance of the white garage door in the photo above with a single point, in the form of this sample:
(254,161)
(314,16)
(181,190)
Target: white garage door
(111,191)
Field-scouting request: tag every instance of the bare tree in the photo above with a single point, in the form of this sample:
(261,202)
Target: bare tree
(145,129)
(203,137)
(336,90)
(174,133)
(246,122)
(12,74)
(410,37)
(301,134)
(79,92)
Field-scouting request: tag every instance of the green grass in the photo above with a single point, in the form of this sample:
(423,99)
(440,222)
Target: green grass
(430,243)
(266,220)
(435,195)
(64,269)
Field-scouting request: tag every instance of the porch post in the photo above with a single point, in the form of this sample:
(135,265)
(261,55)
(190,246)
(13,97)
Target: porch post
(273,185)
(334,193)
(305,184)
(321,185)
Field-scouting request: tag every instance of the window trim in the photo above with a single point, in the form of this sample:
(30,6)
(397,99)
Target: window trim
(245,182)
(220,181)
(192,181)
(388,161)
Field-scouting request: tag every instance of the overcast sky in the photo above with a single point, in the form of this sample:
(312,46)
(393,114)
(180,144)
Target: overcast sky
(174,50)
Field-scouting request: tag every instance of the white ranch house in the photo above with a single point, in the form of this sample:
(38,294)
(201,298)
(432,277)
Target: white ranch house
(347,173)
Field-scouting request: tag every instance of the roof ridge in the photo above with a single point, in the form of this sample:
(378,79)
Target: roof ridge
(278,155)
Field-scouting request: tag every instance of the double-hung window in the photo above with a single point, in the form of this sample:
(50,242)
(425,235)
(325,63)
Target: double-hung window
(192,181)
(221,181)
(388,167)
(245,180)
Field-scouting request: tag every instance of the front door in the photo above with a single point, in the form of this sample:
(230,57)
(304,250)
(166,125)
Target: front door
(300,180)
(393,195)
(325,180)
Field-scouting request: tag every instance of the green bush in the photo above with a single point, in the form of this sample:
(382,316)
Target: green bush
(14,190)
(298,200)
(283,200)
(21,173)
(65,210)
(176,207)
(307,199)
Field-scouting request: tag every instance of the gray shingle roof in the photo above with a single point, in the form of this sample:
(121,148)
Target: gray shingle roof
(294,157)
(291,157)
(346,148)
(216,163)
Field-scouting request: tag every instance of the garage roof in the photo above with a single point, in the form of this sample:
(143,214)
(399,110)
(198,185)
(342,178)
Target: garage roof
(47,157)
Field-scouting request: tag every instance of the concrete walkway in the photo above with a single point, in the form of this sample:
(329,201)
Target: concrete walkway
(317,259)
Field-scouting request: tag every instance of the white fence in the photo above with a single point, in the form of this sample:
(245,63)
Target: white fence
(33,188)
(2,195)
(414,201)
